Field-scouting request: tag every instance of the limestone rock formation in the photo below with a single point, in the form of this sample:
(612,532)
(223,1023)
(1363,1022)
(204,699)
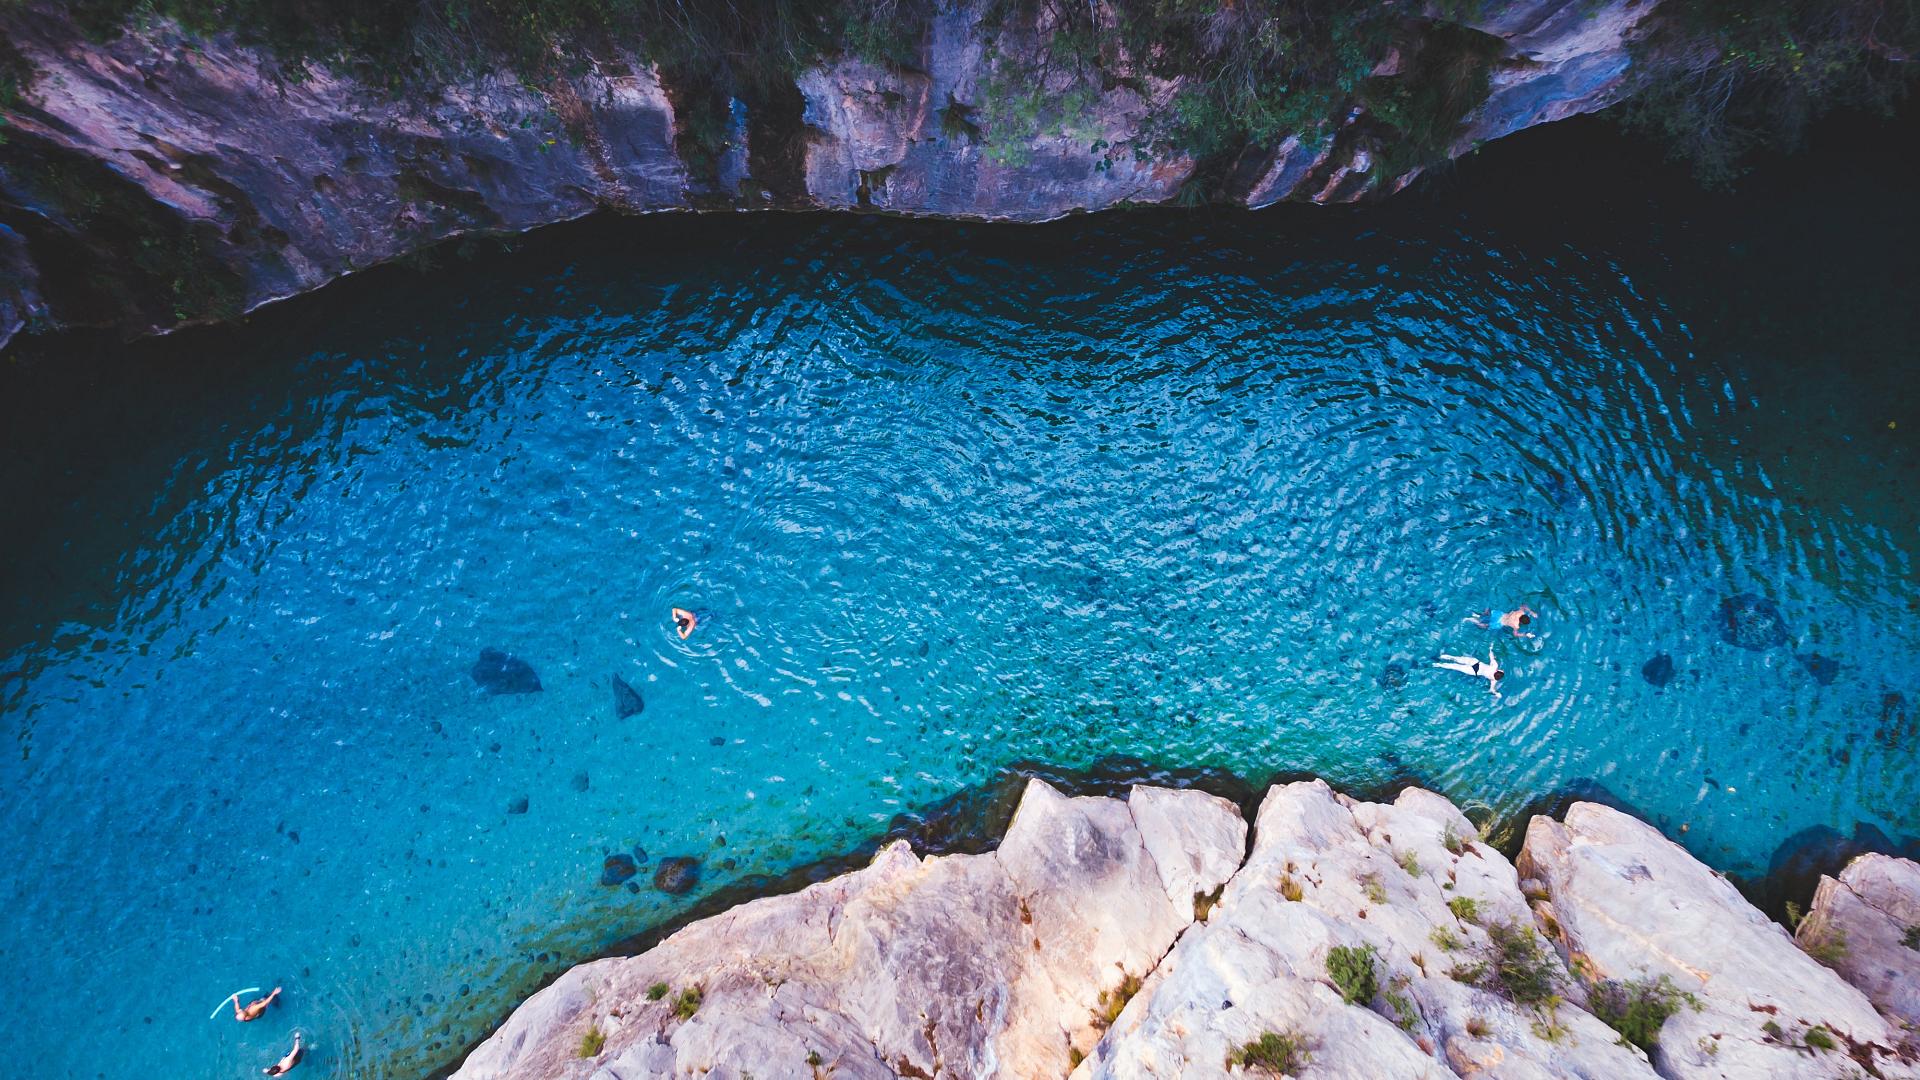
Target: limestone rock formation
(1140,938)
(1328,872)
(1625,903)
(987,965)
(161,178)
(1867,925)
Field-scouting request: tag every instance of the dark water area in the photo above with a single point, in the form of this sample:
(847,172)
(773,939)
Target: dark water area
(1207,491)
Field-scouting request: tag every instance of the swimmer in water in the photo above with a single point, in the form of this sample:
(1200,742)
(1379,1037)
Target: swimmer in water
(253,1009)
(684,621)
(1512,620)
(1467,665)
(285,1065)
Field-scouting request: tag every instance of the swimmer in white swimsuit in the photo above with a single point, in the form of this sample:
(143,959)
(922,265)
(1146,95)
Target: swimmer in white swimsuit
(1467,665)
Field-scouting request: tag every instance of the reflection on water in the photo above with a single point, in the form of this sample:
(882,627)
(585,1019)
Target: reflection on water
(1210,490)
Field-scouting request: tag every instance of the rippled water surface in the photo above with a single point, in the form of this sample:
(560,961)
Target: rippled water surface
(1205,489)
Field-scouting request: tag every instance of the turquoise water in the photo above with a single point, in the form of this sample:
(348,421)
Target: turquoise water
(1182,487)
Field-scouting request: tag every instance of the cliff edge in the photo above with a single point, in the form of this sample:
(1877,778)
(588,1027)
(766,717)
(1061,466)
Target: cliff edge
(164,177)
(1143,938)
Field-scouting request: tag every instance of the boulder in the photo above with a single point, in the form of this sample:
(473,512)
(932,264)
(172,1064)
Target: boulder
(626,700)
(1866,926)
(1824,669)
(1752,622)
(617,869)
(1658,671)
(961,965)
(677,874)
(1330,873)
(498,673)
(1626,904)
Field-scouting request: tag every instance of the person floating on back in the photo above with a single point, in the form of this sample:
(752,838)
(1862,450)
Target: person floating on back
(1467,665)
(252,1009)
(1512,620)
(285,1065)
(684,621)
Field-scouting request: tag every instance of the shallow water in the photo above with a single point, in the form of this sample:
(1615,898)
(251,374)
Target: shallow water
(1182,487)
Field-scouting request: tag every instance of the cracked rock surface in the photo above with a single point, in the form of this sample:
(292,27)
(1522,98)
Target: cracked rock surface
(162,177)
(1868,924)
(963,965)
(1140,937)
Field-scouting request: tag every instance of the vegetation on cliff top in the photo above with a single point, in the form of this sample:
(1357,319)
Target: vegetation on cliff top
(1717,78)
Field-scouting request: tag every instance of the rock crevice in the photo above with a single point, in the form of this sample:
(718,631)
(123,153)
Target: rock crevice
(164,178)
(1145,937)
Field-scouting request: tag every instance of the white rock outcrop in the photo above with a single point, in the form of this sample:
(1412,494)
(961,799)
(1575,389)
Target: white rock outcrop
(965,965)
(1408,881)
(1628,904)
(1867,925)
(1140,938)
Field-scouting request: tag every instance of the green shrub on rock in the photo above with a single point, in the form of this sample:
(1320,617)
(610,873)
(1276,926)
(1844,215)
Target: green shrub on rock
(1638,1008)
(1273,1053)
(1351,969)
(1515,965)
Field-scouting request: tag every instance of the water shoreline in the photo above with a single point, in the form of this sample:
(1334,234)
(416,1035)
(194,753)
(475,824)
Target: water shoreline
(974,820)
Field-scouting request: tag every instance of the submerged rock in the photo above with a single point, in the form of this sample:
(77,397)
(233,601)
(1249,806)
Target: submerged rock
(499,673)
(579,782)
(1897,723)
(617,869)
(626,700)
(1394,675)
(1659,670)
(1802,859)
(1824,669)
(1752,622)
(677,874)
(517,804)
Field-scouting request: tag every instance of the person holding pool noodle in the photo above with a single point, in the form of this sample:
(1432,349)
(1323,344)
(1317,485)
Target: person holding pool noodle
(250,1011)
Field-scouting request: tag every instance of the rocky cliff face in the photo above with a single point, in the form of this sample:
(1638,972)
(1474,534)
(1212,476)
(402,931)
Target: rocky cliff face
(160,179)
(1139,938)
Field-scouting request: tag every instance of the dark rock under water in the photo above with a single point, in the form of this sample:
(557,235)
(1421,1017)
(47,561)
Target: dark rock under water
(677,874)
(1824,669)
(617,869)
(1802,858)
(1898,725)
(1752,622)
(1659,670)
(626,700)
(498,673)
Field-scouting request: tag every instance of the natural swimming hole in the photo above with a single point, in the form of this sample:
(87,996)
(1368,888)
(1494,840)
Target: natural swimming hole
(1205,490)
